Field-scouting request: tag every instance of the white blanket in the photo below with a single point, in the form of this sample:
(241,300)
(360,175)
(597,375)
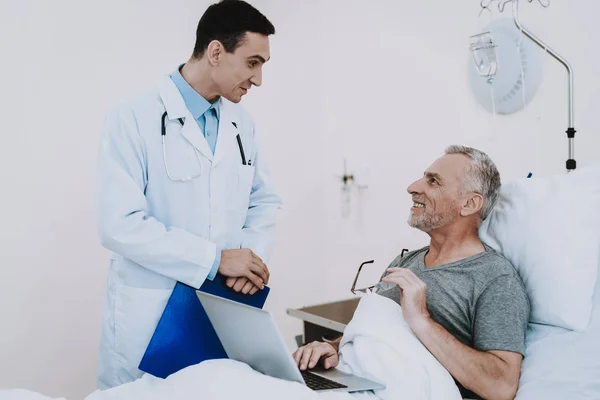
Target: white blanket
(22,394)
(377,344)
(215,380)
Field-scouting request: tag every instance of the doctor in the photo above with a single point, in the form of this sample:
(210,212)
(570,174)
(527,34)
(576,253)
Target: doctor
(184,192)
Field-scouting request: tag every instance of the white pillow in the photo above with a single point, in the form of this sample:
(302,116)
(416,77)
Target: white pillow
(549,228)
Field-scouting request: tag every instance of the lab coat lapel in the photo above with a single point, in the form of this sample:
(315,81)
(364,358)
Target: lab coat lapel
(192,132)
(175,107)
(229,128)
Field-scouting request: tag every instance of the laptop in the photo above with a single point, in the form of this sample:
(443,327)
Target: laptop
(250,335)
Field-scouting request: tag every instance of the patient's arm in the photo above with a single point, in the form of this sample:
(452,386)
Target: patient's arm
(490,374)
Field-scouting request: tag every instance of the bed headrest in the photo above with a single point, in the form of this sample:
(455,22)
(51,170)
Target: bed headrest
(549,228)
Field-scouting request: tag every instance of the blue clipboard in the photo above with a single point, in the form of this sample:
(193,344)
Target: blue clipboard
(184,335)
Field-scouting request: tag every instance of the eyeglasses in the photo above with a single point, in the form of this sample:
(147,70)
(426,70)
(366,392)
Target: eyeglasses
(368,288)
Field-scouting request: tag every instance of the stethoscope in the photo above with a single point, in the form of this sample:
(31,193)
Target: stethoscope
(190,177)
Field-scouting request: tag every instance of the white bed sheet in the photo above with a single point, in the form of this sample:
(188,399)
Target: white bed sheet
(562,364)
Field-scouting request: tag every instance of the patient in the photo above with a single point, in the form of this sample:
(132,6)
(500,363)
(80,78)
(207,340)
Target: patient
(464,301)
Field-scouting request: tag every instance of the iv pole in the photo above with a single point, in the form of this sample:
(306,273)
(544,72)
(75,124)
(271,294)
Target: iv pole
(571,164)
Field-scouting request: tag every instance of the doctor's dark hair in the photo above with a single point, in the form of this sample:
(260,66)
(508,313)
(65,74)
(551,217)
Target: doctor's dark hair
(228,21)
(481,177)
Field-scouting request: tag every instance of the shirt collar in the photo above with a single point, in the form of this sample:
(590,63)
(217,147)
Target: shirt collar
(197,104)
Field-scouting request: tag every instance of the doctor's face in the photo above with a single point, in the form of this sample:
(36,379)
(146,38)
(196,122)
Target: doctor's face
(436,196)
(237,72)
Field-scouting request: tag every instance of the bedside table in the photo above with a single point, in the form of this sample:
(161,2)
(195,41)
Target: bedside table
(324,322)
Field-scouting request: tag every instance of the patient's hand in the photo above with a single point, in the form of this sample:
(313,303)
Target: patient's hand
(242,284)
(309,355)
(413,295)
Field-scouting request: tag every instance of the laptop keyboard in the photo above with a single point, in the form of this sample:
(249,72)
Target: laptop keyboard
(316,382)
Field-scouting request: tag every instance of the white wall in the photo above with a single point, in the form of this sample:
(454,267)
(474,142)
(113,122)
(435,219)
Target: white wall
(382,83)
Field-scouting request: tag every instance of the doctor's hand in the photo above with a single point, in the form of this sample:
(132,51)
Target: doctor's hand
(309,355)
(244,263)
(242,284)
(413,292)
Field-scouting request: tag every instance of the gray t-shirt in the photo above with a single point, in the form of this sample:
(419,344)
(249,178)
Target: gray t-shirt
(480,300)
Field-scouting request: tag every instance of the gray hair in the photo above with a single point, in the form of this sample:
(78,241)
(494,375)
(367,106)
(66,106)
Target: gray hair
(481,177)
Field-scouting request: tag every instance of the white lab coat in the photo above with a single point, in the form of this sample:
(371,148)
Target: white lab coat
(160,231)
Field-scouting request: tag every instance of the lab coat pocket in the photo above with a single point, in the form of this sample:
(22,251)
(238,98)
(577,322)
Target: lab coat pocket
(137,312)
